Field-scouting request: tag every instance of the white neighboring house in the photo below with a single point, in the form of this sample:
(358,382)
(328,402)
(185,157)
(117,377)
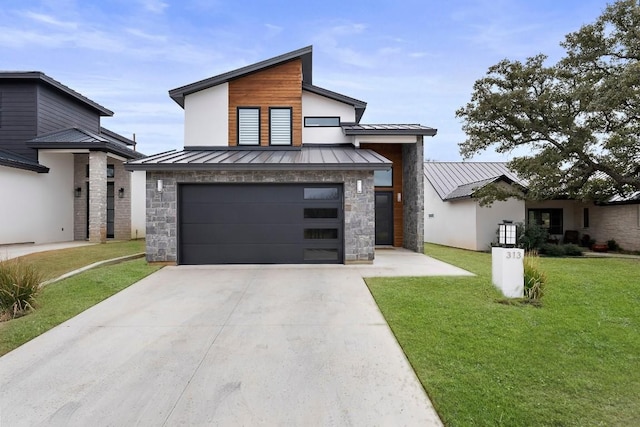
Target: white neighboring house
(61,173)
(453,217)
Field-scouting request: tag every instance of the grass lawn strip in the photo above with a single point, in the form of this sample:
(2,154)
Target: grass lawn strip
(575,361)
(63,300)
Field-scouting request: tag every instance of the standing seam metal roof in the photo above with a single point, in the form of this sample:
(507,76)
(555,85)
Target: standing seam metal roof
(447,177)
(82,138)
(305,158)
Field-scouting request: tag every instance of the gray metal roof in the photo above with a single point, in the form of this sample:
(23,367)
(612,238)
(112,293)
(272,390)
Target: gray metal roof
(360,106)
(84,139)
(232,158)
(453,180)
(13,160)
(388,129)
(631,198)
(42,77)
(305,54)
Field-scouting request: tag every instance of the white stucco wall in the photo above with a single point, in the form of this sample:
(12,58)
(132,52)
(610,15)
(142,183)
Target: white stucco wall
(206,117)
(449,223)
(488,218)
(319,106)
(138,204)
(37,207)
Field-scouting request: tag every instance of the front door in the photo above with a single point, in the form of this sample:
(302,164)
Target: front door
(384,218)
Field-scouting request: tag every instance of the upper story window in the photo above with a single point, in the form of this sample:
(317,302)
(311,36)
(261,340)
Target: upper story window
(321,122)
(248,125)
(280,126)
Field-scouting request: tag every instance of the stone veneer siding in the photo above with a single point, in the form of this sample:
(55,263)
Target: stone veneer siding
(413,195)
(97,196)
(122,208)
(359,212)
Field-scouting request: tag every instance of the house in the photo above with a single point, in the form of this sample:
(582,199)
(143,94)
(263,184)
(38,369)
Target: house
(62,174)
(454,217)
(278,170)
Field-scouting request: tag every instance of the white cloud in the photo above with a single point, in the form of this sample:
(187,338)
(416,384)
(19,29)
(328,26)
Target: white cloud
(50,20)
(155,6)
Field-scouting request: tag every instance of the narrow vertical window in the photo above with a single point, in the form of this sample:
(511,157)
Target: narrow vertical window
(280,126)
(248,126)
(585,217)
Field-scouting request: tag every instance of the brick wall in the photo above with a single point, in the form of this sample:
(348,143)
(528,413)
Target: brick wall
(618,222)
(359,213)
(80,162)
(122,220)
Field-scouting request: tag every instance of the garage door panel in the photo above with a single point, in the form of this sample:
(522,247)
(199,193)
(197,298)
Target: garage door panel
(241,213)
(255,223)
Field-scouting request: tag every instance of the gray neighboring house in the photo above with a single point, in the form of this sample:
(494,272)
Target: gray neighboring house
(453,217)
(62,174)
(277,170)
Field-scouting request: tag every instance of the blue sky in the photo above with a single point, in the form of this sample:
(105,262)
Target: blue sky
(411,61)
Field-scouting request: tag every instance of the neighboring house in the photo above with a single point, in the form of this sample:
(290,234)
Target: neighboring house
(277,170)
(453,217)
(61,173)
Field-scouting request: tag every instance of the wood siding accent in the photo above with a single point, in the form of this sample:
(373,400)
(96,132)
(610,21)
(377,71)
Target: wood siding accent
(19,124)
(393,152)
(279,86)
(56,112)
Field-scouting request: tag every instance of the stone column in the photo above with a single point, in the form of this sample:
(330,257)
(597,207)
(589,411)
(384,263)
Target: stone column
(413,192)
(97,197)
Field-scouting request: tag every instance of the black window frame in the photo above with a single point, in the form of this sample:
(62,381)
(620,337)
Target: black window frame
(319,125)
(290,126)
(555,227)
(238,142)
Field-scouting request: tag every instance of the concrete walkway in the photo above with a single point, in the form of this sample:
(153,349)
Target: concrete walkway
(14,251)
(224,345)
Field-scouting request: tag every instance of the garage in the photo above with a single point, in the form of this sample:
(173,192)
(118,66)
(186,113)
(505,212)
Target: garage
(260,223)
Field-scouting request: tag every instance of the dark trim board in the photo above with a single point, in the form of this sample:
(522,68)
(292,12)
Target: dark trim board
(260,223)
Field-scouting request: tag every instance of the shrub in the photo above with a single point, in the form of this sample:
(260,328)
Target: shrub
(549,249)
(532,237)
(534,278)
(572,250)
(613,245)
(19,285)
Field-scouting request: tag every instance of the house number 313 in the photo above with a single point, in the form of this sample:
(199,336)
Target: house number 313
(514,255)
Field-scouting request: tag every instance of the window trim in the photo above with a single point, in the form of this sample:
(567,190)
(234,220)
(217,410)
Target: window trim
(238,126)
(290,126)
(321,117)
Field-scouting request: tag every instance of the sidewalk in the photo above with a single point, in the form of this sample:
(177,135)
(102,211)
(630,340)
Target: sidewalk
(14,251)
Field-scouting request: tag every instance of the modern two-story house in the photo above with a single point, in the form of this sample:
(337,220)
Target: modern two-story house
(61,173)
(277,170)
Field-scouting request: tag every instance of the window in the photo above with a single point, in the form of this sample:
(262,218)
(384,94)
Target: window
(111,171)
(549,219)
(383,178)
(321,193)
(585,217)
(320,233)
(320,213)
(321,122)
(248,126)
(280,126)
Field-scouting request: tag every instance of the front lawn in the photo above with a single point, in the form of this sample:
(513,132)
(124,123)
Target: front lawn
(61,301)
(574,361)
(55,263)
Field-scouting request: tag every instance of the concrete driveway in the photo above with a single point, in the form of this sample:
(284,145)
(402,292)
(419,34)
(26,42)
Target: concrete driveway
(220,345)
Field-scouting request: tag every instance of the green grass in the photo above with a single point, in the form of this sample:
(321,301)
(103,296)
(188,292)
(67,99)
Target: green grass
(573,362)
(53,264)
(61,301)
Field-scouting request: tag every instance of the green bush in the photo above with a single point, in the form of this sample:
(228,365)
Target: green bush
(613,245)
(550,249)
(534,278)
(19,285)
(532,236)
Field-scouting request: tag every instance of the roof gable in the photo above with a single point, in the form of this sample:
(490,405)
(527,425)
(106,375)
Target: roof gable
(453,180)
(40,77)
(304,54)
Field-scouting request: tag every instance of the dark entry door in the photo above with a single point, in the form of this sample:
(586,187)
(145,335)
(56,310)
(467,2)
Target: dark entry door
(384,218)
(260,223)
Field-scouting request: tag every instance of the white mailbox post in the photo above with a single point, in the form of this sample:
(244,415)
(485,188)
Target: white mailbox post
(507,262)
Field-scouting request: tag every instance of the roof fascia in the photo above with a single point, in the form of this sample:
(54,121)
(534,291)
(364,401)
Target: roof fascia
(305,54)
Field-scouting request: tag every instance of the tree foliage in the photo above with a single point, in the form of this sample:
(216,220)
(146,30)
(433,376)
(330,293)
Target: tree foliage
(577,121)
